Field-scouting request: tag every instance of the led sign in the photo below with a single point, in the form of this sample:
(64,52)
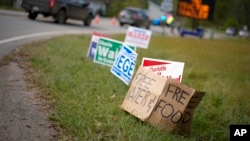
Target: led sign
(198,9)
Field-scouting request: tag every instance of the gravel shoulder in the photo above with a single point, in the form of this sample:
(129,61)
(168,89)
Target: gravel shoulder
(23,112)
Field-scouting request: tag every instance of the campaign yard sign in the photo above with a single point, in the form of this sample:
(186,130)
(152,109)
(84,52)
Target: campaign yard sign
(165,103)
(108,50)
(93,44)
(138,37)
(124,64)
(165,68)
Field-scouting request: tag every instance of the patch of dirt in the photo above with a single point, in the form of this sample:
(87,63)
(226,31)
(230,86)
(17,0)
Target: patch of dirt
(23,111)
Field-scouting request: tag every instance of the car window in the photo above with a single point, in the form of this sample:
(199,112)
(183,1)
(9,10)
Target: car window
(143,14)
(132,12)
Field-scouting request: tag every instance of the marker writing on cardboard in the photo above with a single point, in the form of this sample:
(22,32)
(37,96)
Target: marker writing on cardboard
(140,95)
(167,109)
(143,80)
(178,94)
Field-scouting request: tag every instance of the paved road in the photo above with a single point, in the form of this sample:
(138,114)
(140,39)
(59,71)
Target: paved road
(17,29)
(22,113)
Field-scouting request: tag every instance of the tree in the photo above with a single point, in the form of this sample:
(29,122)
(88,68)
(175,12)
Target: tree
(240,10)
(7,2)
(114,6)
(221,11)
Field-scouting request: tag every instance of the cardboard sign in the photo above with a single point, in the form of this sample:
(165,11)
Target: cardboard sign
(107,51)
(93,44)
(165,68)
(124,64)
(138,37)
(162,102)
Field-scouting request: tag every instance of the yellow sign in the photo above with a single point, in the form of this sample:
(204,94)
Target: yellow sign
(195,9)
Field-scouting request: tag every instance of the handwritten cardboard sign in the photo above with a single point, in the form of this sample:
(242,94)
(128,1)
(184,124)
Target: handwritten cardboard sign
(108,50)
(138,37)
(93,44)
(124,64)
(165,68)
(162,102)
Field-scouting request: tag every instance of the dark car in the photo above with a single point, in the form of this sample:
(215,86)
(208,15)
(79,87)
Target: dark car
(61,10)
(135,17)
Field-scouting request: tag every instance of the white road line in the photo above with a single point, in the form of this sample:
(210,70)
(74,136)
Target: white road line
(39,34)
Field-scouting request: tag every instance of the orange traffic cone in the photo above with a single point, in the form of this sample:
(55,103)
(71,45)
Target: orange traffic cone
(96,19)
(113,21)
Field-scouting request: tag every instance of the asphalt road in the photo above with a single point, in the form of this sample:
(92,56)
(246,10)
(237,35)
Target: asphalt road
(17,29)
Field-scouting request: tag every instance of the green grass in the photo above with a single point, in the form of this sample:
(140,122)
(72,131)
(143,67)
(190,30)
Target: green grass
(86,96)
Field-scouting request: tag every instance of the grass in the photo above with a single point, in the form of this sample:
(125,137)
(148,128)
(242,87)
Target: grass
(86,96)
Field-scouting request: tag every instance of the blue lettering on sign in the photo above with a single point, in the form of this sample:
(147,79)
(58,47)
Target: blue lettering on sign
(120,60)
(124,64)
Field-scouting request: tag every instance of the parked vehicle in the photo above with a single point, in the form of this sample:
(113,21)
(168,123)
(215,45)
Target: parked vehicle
(243,33)
(197,32)
(61,10)
(135,17)
(231,31)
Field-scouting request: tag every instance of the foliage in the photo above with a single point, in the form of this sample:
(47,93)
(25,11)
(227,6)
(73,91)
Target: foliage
(240,10)
(231,22)
(87,96)
(114,7)
(221,11)
(7,2)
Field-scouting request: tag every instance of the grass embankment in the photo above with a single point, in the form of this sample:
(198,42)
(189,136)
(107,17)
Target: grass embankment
(87,96)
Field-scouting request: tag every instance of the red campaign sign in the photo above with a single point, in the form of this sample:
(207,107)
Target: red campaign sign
(168,69)
(153,63)
(138,37)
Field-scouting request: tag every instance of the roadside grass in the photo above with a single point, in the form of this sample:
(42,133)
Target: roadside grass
(86,97)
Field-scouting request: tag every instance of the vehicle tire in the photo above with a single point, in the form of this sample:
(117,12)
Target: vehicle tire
(87,21)
(121,24)
(32,15)
(61,17)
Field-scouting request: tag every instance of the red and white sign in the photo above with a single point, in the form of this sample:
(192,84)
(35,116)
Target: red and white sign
(138,37)
(168,69)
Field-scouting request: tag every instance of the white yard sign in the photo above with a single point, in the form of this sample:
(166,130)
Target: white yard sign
(138,37)
(124,64)
(168,69)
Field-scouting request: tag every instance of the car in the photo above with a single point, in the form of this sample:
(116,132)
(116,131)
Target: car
(243,33)
(199,32)
(135,17)
(60,10)
(231,31)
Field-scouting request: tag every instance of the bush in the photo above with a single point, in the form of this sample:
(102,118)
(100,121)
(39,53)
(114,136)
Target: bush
(114,7)
(231,22)
(7,3)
